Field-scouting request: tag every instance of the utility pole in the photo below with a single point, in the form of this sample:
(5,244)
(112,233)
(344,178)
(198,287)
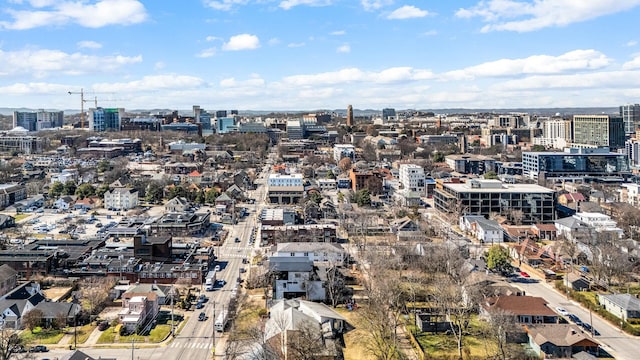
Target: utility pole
(213,329)
(132,346)
(173,294)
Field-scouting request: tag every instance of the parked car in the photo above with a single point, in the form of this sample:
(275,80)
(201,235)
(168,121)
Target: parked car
(217,268)
(237,240)
(199,305)
(38,348)
(202,316)
(103,326)
(524,274)
(575,319)
(562,311)
(202,298)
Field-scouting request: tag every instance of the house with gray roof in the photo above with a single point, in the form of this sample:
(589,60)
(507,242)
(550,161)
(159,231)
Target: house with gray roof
(18,302)
(624,306)
(8,279)
(51,311)
(315,251)
(296,277)
(485,230)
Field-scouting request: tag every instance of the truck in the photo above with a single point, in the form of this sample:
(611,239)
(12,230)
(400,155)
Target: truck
(210,281)
(221,321)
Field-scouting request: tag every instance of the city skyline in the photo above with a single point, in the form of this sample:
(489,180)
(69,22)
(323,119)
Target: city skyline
(319,54)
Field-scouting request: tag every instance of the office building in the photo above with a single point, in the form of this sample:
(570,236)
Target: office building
(221,113)
(349,115)
(18,140)
(295,129)
(285,189)
(574,163)
(202,117)
(341,151)
(556,134)
(225,124)
(488,197)
(40,120)
(412,178)
(471,164)
(632,150)
(388,113)
(630,117)
(598,131)
(105,119)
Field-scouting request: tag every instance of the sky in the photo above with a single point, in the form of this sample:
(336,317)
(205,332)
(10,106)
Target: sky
(319,54)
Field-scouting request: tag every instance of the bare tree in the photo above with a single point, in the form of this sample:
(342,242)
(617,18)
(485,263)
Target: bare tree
(334,285)
(9,342)
(499,325)
(94,292)
(306,342)
(32,319)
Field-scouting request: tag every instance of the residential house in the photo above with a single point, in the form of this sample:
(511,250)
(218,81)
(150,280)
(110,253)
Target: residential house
(288,317)
(64,203)
(121,199)
(178,204)
(53,311)
(574,229)
(624,306)
(87,203)
(526,309)
(18,302)
(8,279)
(406,229)
(559,340)
(545,231)
(485,230)
(138,311)
(315,251)
(295,277)
(162,292)
(571,200)
(7,221)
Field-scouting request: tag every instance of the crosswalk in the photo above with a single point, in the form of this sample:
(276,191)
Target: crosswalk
(191,345)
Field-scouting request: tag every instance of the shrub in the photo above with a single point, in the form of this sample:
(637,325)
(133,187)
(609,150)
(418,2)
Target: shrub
(36,330)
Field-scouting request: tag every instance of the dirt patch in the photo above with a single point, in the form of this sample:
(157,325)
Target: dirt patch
(56,293)
(354,340)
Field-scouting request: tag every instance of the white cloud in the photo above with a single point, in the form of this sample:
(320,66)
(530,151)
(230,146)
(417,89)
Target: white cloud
(633,64)
(631,43)
(242,42)
(338,33)
(597,80)
(273,41)
(344,49)
(407,12)
(288,4)
(354,75)
(212,38)
(42,63)
(33,88)
(207,53)
(88,44)
(159,65)
(151,83)
(225,5)
(537,64)
(524,16)
(254,81)
(92,15)
(370,5)
(296,45)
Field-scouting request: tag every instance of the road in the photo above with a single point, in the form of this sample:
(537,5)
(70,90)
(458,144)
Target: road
(617,343)
(195,340)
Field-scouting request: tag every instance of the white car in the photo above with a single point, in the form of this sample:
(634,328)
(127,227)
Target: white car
(562,311)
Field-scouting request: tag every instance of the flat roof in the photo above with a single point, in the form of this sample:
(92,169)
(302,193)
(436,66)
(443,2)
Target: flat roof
(505,188)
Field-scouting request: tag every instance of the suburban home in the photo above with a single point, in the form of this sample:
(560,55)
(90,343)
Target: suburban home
(8,279)
(7,221)
(315,251)
(545,231)
(18,302)
(406,229)
(559,340)
(571,200)
(87,203)
(64,203)
(433,320)
(295,277)
(177,205)
(162,292)
(52,311)
(624,306)
(138,311)
(288,317)
(526,309)
(485,230)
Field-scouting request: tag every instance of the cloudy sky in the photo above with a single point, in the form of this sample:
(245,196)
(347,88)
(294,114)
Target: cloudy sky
(319,54)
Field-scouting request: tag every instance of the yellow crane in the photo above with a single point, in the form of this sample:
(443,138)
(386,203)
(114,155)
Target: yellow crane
(82,101)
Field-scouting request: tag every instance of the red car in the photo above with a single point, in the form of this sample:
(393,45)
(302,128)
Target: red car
(524,274)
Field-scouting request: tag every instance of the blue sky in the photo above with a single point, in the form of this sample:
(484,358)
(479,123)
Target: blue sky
(319,54)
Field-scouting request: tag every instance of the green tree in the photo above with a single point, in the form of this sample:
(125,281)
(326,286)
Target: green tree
(103,165)
(490,175)
(177,191)
(154,192)
(85,190)
(200,197)
(211,195)
(69,187)
(101,190)
(56,189)
(498,258)
(340,197)
(330,175)
(315,197)
(362,197)
(438,157)
(538,148)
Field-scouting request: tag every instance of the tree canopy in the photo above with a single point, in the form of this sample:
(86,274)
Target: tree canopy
(498,258)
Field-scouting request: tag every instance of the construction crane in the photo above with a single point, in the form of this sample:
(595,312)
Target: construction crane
(82,101)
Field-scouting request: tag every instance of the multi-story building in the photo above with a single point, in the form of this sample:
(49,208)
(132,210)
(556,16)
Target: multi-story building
(295,129)
(488,197)
(101,119)
(40,120)
(388,113)
(438,139)
(471,164)
(575,163)
(224,124)
(632,149)
(366,179)
(598,131)
(630,117)
(556,134)
(18,140)
(412,178)
(349,115)
(285,189)
(11,193)
(121,199)
(341,151)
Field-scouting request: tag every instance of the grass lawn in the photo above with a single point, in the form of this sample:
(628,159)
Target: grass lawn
(19,217)
(83,333)
(355,347)
(44,336)
(108,336)
(159,333)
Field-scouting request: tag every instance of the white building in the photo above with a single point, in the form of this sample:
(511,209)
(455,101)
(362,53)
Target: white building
(121,199)
(412,178)
(600,222)
(341,151)
(331,253)
(280,180)
(556,134)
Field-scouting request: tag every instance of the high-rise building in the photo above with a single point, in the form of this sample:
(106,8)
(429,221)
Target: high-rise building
(108,119)
(598,131)
(412,178)
(631,117)
(388,113)
(225,124)
(36,121)
(221,113)
(349,115)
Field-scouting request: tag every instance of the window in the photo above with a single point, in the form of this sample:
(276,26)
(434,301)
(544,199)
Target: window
(293,254)
(306,254)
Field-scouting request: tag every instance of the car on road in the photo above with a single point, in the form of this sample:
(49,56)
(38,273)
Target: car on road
(524,274)
(562,311)
(589,328)
(202,316)
(575,319)
(38,348)
(237,240)
(199,305)
(217,268)
(202,298)
(222,282)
